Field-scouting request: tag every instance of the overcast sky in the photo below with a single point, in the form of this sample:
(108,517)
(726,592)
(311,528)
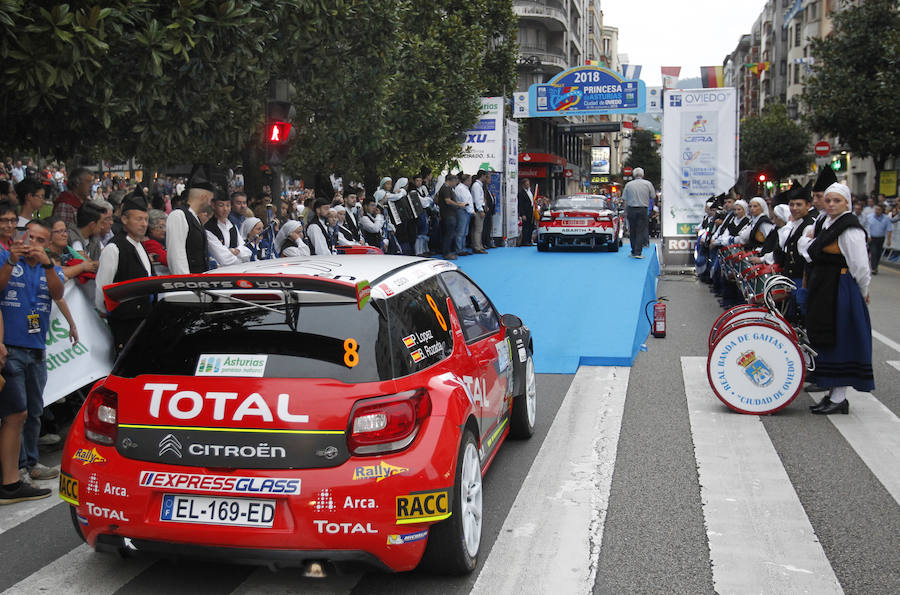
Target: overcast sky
(689,34)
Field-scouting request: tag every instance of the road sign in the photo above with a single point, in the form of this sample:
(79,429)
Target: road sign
(822,148)
(626,171)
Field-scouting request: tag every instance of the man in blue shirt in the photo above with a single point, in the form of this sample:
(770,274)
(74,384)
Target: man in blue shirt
(880,227)
(29,282)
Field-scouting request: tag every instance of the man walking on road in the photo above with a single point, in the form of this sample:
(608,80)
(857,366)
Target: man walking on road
(880,227)
(638,193)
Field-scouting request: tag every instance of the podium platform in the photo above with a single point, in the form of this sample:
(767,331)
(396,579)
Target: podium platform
(583,308)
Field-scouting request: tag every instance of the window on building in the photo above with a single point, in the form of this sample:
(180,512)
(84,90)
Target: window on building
(797,32)
(783,68)
(606,42)
(796,74)
(812,11)
(784,34)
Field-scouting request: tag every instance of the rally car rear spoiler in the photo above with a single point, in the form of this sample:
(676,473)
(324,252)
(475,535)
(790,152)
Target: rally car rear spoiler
(116,293)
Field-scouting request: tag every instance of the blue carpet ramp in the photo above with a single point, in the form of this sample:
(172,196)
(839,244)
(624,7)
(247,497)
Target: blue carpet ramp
(582,307)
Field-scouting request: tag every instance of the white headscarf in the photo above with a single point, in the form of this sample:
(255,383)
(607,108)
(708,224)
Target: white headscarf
(401,184)
(783,213)
(843,190)
(284,233)
(248,225)
(762,203)
(742,203)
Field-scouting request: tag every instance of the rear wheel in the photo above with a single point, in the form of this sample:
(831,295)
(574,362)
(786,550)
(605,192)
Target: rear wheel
(524,406)
(453,545)
(542,247)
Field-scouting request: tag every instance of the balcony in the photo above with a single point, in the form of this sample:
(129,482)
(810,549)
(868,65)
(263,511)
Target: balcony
(552,14)
(553,60)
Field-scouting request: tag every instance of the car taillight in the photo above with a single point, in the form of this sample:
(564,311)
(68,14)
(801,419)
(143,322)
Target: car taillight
(387,424)
(101,412)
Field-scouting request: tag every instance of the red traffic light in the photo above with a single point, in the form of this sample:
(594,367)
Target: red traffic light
(277,132)
(762,177)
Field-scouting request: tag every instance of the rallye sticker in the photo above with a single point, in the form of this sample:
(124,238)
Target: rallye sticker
(87,457)
(220,483)
(396,539)
(423,507)
(68,488)
(378,472)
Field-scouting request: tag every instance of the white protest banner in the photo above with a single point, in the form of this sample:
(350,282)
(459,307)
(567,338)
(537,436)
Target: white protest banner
(70,367)
(699,160)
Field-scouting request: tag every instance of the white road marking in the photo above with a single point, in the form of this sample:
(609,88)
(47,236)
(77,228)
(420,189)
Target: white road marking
(874,433)
(16,514)
(889,342)
(894,364)
(550,540)
(83,570)
(760,538)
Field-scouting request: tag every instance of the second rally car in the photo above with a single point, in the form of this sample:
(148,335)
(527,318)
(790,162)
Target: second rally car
(580,221)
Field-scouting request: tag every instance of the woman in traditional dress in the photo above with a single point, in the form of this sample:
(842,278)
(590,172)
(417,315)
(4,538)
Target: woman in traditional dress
(837,316)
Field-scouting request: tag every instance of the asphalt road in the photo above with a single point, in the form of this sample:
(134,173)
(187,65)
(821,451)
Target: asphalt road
(656,529)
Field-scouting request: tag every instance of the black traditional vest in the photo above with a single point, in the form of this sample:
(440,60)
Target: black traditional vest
(350,222)
(325,233)
(792,262)
(213,226)
(130,267)
(753,243)
(824,276)
(195,244)
(734,227)
(372,238)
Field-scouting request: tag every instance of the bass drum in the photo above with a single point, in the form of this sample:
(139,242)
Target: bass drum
(755,367)
(749,312)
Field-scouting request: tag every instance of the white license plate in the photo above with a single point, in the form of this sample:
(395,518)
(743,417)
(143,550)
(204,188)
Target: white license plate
(577,221)
(243,512)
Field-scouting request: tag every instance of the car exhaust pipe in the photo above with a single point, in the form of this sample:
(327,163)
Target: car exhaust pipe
(314,569)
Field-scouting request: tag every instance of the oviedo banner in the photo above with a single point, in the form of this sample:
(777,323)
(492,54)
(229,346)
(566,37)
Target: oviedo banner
(70,367)
(699,160)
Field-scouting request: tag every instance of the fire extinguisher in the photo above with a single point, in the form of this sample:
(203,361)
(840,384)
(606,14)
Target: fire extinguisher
(658,324)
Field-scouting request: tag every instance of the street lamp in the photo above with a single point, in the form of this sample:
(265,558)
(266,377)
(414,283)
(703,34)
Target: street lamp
(535,65)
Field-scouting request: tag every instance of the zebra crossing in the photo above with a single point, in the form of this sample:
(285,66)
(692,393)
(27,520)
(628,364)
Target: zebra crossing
(760,536)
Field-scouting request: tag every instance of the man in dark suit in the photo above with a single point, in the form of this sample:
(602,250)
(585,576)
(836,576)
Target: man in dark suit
(526,212)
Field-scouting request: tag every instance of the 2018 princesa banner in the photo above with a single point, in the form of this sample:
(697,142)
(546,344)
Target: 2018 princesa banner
(70,367)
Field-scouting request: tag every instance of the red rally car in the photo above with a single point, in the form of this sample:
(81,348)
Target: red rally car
(289,412)
(581,220)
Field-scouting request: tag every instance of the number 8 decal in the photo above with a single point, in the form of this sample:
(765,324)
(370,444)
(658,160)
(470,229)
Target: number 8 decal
(351,353)
(437,312)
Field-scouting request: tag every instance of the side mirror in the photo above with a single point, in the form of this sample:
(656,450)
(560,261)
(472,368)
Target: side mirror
(511,321)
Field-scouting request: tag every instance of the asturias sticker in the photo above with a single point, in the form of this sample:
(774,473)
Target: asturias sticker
(231,364)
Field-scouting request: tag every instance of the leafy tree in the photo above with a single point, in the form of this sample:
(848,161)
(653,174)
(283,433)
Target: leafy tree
(852,93)
(773,143)
(644,153)
(380,85)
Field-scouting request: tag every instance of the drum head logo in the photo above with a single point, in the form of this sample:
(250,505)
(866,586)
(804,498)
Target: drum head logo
(758,371)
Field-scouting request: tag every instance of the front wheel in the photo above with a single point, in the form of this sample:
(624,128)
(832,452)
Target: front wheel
(524,406)
(453,544)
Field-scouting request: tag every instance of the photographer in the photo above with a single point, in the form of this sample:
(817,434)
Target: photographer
(28,283)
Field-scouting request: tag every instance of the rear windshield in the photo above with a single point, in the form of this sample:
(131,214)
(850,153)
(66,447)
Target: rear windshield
(580,203)
(310,340)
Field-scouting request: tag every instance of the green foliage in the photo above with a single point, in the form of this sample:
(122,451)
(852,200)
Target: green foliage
(852,93)
(773,143)
(380,85)
(645,154)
